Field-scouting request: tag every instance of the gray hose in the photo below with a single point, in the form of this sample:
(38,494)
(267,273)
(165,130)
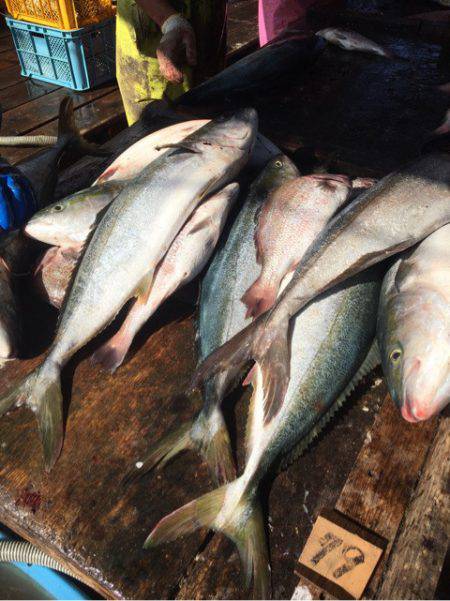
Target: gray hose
(23,552)
(28,140)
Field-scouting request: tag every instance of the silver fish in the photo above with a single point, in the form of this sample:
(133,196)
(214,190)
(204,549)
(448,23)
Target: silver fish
(350,40)
(185,259)
(331,350)
(414,328)
(120,260)
(221,315)
(396,213)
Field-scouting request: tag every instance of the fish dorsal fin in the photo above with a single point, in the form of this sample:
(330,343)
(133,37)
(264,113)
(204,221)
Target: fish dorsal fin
(367,366)
(180,146)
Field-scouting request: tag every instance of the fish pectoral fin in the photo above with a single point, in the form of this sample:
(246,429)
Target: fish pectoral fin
(144,287)
(201,225)
(179,146)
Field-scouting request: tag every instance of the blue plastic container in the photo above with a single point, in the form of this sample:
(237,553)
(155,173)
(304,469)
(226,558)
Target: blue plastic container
(79,58)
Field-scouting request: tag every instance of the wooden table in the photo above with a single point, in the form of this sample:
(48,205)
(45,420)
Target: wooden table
(355,113)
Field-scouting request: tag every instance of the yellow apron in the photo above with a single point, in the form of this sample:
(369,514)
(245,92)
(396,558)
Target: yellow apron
(137,38)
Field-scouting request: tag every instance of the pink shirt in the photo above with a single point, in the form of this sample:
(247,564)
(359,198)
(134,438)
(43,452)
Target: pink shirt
(274,16)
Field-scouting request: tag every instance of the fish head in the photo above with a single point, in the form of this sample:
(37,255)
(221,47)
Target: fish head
(277,172)
(416,355)
(236,130)
(69,221)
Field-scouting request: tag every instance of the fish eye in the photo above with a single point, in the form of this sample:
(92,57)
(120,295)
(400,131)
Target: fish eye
(58,208)
(395,356)
(278,163)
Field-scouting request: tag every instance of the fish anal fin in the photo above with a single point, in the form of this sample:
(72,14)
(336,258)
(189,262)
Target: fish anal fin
(142,292)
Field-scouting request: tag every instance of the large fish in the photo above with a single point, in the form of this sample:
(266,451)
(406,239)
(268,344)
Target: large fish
(264,67)
(68,222)
(221,315)
(120,259)
(185,259)
(396,213)
(330,352)
(414,328)
(288,222)
(144,151)
(350,40)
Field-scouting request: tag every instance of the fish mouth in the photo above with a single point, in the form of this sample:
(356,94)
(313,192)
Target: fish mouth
(407,413)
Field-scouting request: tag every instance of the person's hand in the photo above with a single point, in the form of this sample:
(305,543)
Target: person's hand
(177,47)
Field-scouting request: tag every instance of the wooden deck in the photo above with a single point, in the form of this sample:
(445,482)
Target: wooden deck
(371,466)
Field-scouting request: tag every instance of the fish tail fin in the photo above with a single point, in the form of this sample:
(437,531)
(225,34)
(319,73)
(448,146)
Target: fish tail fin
(41,392)
(232,511)
(112,353)
(69,135)
(268,346)
(259,298)
(207,434)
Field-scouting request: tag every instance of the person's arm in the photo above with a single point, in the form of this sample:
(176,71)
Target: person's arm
(177,44)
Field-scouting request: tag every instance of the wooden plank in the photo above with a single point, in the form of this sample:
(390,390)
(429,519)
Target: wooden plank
(93,116)
(313,482)
(80,513)
(8,58)
(380,483)
(6,43)
(419,552)
(23,92)
(42,110)
(10,76)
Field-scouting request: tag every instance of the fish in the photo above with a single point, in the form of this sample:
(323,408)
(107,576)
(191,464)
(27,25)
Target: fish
(185,259)
(9,318)
(359,184)
(414,328)
(263,68)
(144,151)
(332,349)
(289,221)
(350,40)
(221,315)
(68,222)
(41,170)
(120,259)
(54,273)
(399,211)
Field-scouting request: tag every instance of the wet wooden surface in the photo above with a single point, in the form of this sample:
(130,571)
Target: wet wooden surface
(81,514)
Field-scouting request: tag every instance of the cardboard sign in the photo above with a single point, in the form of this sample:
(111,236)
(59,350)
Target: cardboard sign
(341,558)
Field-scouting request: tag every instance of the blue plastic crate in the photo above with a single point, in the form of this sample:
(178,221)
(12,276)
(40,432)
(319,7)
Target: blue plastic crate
(79,58)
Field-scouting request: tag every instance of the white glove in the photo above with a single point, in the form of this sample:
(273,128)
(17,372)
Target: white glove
(176,47)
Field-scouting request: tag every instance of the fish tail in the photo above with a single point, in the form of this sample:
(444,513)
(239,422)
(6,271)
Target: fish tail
(234,512)
(112,353)
(207,434)
(259,298)
(69,135)
(265,343)
(41,392)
